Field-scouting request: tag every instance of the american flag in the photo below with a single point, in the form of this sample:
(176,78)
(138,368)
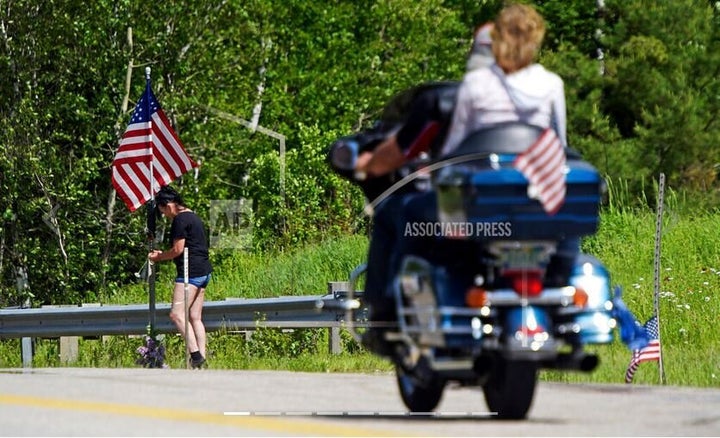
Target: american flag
(148,138)
(651,352)
(543,164)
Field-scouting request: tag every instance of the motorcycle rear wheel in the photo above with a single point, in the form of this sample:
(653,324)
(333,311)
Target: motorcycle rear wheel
(419,395)
(510,389)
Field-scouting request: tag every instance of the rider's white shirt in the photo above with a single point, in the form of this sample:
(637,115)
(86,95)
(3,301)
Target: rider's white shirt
(487,96)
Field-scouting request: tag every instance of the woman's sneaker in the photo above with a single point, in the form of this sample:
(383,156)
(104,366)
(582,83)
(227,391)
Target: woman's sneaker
(198,364)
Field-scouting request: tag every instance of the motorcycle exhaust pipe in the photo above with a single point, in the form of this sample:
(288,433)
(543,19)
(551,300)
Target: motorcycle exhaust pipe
(574,361)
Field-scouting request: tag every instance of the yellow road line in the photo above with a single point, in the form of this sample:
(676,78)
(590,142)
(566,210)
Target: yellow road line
(275,424)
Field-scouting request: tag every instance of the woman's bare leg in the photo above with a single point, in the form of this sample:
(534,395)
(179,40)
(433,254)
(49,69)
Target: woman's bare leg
(177,314)
(196,320)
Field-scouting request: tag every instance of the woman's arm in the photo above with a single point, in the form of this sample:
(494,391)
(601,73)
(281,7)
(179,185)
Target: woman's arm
(177,249)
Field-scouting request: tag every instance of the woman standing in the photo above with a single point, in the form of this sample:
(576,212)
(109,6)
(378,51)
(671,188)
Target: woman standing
(187,231)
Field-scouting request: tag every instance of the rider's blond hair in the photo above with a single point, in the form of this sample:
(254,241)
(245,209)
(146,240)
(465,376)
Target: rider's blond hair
(517,35)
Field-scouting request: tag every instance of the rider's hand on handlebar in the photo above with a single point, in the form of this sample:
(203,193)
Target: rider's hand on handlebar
(361,165)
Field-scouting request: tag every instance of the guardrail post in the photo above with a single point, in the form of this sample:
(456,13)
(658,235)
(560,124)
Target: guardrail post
(334,332)
(26,344)
(68,349)
(68,344)
(26,351)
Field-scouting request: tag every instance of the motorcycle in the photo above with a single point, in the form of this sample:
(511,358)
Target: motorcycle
(493,289)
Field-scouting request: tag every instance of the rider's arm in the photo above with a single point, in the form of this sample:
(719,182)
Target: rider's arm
(384,159)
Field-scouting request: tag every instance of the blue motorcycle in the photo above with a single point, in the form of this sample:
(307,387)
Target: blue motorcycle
(493,288)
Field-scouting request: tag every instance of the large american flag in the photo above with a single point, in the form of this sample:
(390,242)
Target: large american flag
(543,164)
(148,138)
(651,352)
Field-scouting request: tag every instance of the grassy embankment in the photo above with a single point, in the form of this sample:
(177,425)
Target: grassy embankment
(689,306)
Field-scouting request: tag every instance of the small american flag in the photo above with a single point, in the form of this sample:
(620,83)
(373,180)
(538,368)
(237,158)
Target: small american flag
(148,138)
(543,164)
(651,352)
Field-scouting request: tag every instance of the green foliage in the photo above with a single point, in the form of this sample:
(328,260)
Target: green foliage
(310,71)
(268,342)
(316,203)
(302,271)
(662,88)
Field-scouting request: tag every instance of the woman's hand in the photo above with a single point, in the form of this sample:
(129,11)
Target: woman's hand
(154,256)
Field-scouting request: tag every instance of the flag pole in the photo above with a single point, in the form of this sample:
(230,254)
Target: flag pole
(658,241)
(150,226)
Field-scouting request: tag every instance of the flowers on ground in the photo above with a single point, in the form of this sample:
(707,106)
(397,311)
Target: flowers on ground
(152,354)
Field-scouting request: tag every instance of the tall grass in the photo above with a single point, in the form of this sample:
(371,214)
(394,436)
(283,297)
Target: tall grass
(305,271)
(302,272)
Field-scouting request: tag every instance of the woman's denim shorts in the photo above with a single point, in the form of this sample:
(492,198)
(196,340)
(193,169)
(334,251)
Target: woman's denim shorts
(199,282)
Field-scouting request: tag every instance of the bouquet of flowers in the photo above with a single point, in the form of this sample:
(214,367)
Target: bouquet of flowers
(152,354)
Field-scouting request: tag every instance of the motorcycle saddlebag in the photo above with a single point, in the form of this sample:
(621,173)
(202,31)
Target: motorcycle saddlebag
(488,194)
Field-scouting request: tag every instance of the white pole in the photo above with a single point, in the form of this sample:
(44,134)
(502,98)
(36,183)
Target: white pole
(599,36)
(187,307)
(150,142)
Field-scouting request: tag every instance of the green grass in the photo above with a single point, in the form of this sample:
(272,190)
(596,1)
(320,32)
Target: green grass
(689,306)
(265,349)
(305,271)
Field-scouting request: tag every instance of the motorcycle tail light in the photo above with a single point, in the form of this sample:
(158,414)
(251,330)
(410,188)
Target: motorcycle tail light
(580,297)
(527,283)
(476,297)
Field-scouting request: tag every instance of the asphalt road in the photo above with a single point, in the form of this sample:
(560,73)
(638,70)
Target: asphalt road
(144,402)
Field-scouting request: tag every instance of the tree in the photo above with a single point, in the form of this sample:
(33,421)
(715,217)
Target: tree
(662,87)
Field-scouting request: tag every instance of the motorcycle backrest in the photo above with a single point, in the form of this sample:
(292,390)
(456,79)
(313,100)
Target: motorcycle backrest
(503,138)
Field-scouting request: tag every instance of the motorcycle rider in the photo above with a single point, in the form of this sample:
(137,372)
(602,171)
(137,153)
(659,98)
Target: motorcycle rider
(513,88)
(423,130)
(430,111)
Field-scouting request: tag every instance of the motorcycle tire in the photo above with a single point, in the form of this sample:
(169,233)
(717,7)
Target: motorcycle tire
(510,389)
(419,395)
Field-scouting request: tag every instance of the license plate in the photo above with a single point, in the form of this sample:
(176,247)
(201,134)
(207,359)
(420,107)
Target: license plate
(523,257)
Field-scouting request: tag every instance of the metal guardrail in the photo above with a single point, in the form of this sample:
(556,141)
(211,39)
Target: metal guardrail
(132,319)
